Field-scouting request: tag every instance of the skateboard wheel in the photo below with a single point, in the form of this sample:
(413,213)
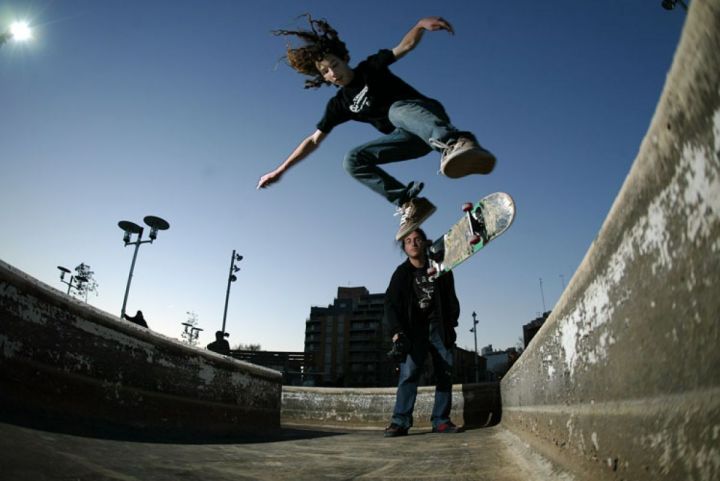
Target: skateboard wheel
(467,207)
(475,239)
(431,271)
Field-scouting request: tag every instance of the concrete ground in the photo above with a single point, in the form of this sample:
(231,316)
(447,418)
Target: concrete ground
(292,454)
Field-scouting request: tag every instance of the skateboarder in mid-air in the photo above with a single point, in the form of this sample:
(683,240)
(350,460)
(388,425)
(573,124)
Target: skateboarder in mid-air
(412,124)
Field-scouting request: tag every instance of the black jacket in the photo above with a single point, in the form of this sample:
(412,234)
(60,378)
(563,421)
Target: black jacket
(400,296)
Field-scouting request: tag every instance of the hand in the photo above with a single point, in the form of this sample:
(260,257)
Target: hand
(268,179)
(436,23)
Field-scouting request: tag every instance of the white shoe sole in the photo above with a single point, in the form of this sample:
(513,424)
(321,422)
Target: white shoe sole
(411,227)
(471,161)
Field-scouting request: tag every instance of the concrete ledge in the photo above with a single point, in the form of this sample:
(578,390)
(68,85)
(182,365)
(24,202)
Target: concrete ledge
(474,405)
(622,380)
(66,364)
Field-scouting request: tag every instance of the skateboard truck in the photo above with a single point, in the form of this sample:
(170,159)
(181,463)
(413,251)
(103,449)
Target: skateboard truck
(435,254)
(476,228)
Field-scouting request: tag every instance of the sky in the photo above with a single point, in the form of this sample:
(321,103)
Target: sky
(116,110)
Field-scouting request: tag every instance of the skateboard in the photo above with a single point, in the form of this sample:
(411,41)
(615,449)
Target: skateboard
(483,221)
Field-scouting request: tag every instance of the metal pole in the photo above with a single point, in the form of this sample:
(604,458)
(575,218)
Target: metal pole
(227,294)
(132,268)
(475,323)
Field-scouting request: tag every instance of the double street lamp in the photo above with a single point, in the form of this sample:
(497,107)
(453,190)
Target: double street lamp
(231,278)
(156,224)
(74,282)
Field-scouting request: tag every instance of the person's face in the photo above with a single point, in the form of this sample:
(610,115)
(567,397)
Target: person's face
(414,245)
(335,70)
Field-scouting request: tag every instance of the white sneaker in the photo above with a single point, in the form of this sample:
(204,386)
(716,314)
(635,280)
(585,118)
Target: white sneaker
(464,156)
(414,212)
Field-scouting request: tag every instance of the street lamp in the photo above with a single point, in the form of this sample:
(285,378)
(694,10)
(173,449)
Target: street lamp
(474,331)
(18,31)
(63,271)
(231,278)
(130,228)
(192,333)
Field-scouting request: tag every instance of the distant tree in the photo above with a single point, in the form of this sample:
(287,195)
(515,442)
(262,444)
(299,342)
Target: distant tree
(520,345)
(190,332)
(247,347)
(84,281)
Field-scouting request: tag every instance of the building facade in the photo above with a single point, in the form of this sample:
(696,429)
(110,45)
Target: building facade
(346,345)
(346,340)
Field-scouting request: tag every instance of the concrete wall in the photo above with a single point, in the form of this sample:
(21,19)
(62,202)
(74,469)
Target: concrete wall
(474,405)
(623,380)
(67,365)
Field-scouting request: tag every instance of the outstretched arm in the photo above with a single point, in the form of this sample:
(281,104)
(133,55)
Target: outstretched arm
(304,148)
(412,38)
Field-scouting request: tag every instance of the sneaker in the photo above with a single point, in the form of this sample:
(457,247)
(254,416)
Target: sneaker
(464,156)
(414,212)
(395,430)
(446,428)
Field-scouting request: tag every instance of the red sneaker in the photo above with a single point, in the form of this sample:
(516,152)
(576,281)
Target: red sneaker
(447,428)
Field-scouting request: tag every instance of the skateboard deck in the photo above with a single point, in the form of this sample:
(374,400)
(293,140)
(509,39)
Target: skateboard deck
(483,221)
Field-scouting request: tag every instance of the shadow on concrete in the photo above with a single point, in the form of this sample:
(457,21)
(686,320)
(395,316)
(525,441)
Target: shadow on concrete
(482,406)
(117,432)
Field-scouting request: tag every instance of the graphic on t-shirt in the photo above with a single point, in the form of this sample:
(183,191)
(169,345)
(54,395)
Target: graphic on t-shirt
(360,101)
(424,289)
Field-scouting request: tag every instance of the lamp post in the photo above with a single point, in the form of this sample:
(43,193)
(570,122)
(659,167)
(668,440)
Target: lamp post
(130,228)
(231,278)
(192,333)
(474,331)
(18,31)
(63,271)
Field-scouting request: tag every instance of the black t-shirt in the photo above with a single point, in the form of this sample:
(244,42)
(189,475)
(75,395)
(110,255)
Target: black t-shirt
(424,298)
(368,97)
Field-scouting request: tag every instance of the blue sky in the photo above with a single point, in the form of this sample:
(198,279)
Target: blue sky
(121,109)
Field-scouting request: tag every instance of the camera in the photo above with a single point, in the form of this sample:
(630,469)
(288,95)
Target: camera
(400,349)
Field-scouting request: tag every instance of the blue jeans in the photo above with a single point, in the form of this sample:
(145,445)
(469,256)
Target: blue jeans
(416,122)
(410,371)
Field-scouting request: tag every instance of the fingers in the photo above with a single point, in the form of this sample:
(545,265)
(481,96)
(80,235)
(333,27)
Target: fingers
(438,23)
(263,182)
(445,25)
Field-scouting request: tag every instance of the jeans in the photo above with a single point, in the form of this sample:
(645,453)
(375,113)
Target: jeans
(410,371)
(416,122)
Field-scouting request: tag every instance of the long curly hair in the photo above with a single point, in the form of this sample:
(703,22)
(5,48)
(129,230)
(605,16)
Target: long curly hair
(319,41)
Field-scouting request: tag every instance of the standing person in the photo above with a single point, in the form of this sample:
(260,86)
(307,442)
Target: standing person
(220,344)
(424,313)
(138,319)
(413,124)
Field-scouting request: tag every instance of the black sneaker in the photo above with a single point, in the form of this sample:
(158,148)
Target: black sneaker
(447,428)
(395,430)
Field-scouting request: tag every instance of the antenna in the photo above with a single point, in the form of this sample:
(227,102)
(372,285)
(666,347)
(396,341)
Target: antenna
(542,294)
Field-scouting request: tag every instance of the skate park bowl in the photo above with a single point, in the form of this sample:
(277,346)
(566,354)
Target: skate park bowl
(623,379)
(69,366)
(620,383)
